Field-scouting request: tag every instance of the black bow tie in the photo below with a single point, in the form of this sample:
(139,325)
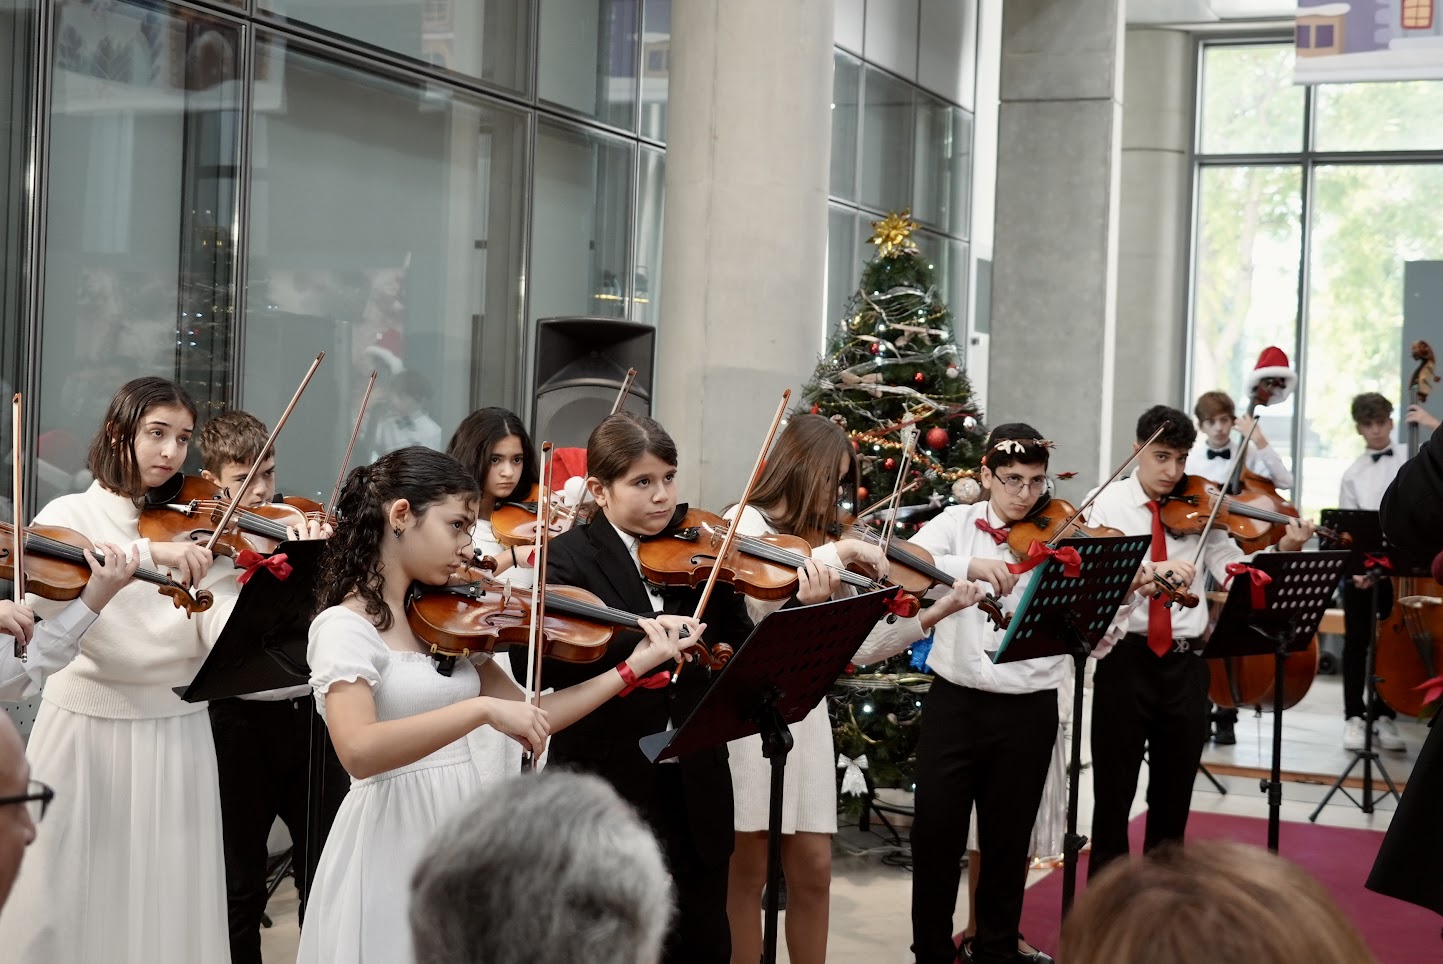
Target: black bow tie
(1220,453)
(1375,456)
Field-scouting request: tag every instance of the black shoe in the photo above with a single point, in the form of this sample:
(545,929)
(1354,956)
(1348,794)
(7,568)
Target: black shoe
(964,953)
(1223,733)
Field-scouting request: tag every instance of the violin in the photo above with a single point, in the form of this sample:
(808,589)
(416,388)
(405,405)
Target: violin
(915,571)
(486,616)
(188,509)
(513,523)
(55,567)
(1186,508)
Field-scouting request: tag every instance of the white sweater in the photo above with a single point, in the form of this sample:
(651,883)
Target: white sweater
(141,645)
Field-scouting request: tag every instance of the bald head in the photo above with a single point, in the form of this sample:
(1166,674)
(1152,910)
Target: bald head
(16,828)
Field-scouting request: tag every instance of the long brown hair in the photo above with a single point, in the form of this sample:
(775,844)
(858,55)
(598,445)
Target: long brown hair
(798,487)
(482,431)
(1211,901)
(112,452)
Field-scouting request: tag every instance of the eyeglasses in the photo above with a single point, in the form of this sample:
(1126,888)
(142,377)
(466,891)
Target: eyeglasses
(36,800)
(1015,484)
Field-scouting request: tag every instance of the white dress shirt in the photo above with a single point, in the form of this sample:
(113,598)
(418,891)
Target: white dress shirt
(1365,481)
(962,641)
(1123,506)
(1265,462)
(54,644)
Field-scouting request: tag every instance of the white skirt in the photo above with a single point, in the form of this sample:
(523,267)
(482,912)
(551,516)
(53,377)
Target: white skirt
(127,865)
(495,754)
(809,794)
(358,905)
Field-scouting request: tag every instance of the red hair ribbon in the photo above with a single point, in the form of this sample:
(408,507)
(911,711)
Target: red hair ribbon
(653,682)
(1040,551)
(250,561)
(1258,578)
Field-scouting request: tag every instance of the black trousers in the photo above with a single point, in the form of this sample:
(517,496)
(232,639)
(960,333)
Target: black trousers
(1358,622)
(262,754)
(992,750)
(699,931)
(1160,703)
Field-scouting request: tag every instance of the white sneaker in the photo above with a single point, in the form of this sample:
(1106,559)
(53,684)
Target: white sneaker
(1386,735)
(1354,733)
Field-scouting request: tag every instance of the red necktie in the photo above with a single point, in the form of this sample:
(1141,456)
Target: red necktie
(999,536)
(1159,617)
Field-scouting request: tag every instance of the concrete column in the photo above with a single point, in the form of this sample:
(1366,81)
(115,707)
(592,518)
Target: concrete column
(1153,242)
(744,256)
(1054,281)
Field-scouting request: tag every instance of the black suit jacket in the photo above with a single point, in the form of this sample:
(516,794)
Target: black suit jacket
(593,557)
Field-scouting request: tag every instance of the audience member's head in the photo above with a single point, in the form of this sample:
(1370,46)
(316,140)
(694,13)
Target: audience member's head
(544,869)
(1211,901)
(17,828)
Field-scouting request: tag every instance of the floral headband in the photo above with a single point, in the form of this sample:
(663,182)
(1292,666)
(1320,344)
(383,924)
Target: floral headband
(1014,446)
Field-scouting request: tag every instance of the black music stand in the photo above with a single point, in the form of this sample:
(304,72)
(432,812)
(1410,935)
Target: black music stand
(263,647)
(1058,616)
(1368,557)
(1294,601)
(776,677)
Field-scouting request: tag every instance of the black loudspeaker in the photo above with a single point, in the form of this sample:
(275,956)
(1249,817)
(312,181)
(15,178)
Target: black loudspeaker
(581,364)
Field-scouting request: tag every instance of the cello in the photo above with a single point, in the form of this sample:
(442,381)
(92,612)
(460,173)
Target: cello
(1409,649)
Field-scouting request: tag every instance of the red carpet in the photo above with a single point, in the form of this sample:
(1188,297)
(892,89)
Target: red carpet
(1397,932)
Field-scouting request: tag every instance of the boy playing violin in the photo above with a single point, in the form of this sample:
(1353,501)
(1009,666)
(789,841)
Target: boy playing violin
(262,740)
(1213,458)
(1151,689)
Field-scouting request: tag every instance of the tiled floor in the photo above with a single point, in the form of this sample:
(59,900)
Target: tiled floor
(870,922)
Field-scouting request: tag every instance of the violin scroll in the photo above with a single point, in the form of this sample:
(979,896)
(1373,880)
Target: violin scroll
(1165,584)
(991,607)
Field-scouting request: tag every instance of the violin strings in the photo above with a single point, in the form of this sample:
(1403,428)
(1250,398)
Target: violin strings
(65,551)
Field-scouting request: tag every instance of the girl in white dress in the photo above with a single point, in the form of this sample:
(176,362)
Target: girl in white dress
(129,868)
(494,445)
(806,473)
(399,725)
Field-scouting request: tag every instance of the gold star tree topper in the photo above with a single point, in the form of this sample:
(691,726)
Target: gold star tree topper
(892,235)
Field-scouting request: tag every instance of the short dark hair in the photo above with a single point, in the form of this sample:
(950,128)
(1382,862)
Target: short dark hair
(1371,407)
(1212,405)
(1033,451)
(1179,434)
(112,452)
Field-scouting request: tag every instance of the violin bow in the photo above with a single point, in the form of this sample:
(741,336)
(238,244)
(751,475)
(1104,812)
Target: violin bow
(731,530)
(1110,479)
(351,445)
(538,599)
(625,391)
(235,500)
(1222,497)
(909,447)
(881,504)
(17,500)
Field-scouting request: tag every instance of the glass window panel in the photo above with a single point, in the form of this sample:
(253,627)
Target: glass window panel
(488,39)
(1250,104)
(943,165)
(1403,116)
(650,208)
(887,134)
(846,97)
(844,268)
(386,226)
(579,228)
(588,57)
(17,59)
(948,258)
(655,68)
(1245,297)
(1367,222)
(139,217)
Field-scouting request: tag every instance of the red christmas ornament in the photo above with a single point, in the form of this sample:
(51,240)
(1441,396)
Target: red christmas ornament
(876,348)
(861,493)
(816,409)
(919,378)
(889,464)
(937,438)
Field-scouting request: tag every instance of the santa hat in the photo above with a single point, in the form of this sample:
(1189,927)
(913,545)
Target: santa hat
(387,351)
(1272,379)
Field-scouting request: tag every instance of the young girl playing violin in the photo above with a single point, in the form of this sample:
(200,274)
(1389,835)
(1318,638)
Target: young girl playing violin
(810,467)
(632,466)
(134,871)
(1152,687)
(397,723)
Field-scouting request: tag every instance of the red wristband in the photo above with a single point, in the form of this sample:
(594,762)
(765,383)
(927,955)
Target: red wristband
(654,682)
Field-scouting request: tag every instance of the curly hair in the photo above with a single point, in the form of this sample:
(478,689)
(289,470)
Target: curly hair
(1180,433)
(351,561)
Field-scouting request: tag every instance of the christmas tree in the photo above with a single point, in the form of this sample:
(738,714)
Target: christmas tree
(892,366)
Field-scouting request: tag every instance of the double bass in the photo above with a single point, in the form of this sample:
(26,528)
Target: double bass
(1409,649)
